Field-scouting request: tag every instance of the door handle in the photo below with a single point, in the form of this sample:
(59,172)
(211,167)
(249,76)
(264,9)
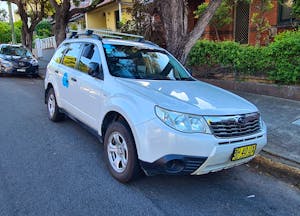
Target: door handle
(73,79)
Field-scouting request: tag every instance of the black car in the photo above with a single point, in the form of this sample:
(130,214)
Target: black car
(16,59)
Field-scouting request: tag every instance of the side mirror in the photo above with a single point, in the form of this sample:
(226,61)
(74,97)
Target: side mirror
(95,70)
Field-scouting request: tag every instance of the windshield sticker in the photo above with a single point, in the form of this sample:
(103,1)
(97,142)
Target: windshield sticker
(65,81)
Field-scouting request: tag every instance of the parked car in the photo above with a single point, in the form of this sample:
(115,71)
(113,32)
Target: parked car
(16,59)
(151,114)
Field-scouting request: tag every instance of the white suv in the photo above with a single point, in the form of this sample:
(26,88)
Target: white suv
(152,114)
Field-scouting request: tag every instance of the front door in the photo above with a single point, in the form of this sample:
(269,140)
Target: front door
(88,95)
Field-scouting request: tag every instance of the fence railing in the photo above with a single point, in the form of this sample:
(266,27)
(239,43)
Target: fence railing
(45,43)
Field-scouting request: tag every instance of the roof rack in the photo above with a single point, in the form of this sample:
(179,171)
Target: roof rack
(103,33)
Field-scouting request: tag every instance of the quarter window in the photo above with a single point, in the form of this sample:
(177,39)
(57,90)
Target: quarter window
(59,53)
(72,54)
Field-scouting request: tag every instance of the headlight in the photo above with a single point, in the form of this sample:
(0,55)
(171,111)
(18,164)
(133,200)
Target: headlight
(182,122)
(7,64)
(261,122)
(34,62)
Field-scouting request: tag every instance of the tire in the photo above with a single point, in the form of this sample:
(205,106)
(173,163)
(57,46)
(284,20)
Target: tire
(120,152)
(53,110)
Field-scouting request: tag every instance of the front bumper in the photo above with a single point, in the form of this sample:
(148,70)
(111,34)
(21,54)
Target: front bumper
(160,148)
(31,70)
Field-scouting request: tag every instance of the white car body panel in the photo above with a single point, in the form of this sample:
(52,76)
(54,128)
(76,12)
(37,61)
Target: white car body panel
(90,99)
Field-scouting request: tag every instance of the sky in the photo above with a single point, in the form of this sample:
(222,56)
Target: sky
(3,5)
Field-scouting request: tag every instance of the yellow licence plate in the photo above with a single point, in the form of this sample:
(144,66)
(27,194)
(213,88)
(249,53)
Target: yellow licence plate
(243,152)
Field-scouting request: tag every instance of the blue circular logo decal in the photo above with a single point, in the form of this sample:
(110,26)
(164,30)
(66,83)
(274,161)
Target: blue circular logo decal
(65,80)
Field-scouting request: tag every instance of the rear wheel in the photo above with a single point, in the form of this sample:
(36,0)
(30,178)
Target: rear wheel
(53,110)
(121,155)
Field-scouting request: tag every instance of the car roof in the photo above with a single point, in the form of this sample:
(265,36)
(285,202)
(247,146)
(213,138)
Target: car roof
(144,44)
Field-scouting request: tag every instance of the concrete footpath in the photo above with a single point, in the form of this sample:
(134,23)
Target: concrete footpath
(281,156)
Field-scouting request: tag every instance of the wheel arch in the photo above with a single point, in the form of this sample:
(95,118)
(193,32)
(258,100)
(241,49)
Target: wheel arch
(49,86)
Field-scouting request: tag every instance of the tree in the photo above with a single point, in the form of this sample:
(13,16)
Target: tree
(221,17)
(31,13)
(64,12)
(174,16)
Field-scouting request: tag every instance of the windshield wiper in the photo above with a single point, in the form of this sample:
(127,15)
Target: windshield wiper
(187,79)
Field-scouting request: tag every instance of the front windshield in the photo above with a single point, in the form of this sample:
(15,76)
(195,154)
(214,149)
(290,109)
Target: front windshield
(140,63)
(15,51)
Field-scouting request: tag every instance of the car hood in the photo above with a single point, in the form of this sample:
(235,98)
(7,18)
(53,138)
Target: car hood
(194,97)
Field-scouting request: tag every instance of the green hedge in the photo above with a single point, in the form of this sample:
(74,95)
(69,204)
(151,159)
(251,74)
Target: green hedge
(280,61)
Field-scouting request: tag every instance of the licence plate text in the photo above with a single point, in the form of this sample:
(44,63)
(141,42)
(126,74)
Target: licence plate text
(243,152)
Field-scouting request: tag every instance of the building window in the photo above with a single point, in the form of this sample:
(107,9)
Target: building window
(285,12)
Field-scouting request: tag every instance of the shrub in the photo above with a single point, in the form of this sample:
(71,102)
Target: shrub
(284,54)
(279,61)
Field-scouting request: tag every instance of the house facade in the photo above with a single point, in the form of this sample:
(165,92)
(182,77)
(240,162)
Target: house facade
(108,14)
(243,29)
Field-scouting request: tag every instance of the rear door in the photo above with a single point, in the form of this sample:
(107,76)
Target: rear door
(67,76)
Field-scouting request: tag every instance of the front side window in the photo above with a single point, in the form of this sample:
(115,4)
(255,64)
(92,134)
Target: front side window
(71,54)
(90,55)
(140,63)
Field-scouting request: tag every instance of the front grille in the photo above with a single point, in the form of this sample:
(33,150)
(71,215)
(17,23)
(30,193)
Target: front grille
(234,126)
(24,64)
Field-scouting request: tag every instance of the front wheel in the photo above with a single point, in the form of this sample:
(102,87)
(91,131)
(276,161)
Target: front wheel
(121,155)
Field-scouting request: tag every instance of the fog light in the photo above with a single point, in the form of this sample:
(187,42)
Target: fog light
(174,166)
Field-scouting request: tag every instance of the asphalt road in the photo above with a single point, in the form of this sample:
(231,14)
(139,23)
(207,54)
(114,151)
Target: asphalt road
(58,169)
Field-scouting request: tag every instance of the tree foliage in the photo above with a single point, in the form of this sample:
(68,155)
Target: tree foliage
(5,32)
(221,17)
(43,29)
(296,8)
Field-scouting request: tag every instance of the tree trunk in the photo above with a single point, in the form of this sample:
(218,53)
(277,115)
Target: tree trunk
(199,29)
(27,37)
(174,14)
(60,27)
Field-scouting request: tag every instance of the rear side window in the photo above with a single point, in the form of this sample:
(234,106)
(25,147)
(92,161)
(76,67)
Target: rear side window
(71,54)
(59,53)
(90,54)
